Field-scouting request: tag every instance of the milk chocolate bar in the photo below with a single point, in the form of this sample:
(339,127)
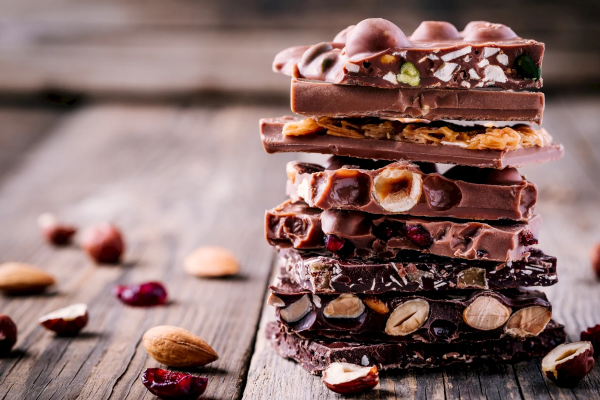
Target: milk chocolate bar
(376,52)
(275,141)
(403,188)
(320,99)
(444,316)
(319,273)
(316,355)
(358,234)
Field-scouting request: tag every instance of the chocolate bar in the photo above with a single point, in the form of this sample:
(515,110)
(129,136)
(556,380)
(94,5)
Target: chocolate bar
(376,52)
(319,99)
(275,141)
(444,316)
(403,188)
(316,355)
(319,273)
(358,234)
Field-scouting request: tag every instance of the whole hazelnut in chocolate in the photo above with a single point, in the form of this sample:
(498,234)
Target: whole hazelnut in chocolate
(491,32)
(473,25)
(314,51)
(506,176)
(374,35)
(435,30)
(343,35)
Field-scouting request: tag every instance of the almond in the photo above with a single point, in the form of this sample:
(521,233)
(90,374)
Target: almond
(19,278)
(211,261)
(176,347)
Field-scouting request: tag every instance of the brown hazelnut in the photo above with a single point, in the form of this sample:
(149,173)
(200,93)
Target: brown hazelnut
(67,321)
(345,378)
(568,363)
(595,259)
(55,232)
(103,243)
(8,334)
(528,321)
(374,35)
(297,310)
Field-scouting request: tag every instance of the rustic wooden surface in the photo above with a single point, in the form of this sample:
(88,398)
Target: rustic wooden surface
(178,176)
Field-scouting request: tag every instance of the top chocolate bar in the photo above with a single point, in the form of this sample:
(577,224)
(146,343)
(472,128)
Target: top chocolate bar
(375,52)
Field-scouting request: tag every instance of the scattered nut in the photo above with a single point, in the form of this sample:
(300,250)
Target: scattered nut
(376,305)
(568,363)
(595,258)
(346,305)
(103,243)
(176,347)
(8,335)
(66,321)
(345,378)
(397,189)
(297,310)
(528,322)
(211,261)
(275,301)
(20,278)
(173,385)
(486,313)
(53,231)
(407,317)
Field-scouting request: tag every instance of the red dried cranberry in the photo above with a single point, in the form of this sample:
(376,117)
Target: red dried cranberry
(418,235)
(386,230)
(592,335)
(174,385)
(146,294)
(334,243)
(8,334)
(527,238)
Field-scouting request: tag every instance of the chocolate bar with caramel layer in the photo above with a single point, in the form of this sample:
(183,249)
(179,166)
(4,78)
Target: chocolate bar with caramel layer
(404,188)
(376,52)
(441,142)
(358,234)
(316,355)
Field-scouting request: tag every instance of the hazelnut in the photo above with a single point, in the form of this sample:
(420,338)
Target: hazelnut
(435,30)
(297,310)
(275,301)
(595,259)
(20,278)
(343,35)
(374,35)
(486,313)
(528,321)
(376,305)
(103,243)
(53,231)
(397,189)
(568,363)
(8,334)
(407,317)
(211,262)
(66,321)
(346,305)
(177,347)
(345,378)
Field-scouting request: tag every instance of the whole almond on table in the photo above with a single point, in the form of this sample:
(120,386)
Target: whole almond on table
(176,347)
(211,261)
(21,278)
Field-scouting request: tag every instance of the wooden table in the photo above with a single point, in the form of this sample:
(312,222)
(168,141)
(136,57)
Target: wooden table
(178,176)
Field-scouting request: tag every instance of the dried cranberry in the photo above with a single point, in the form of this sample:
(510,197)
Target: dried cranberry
(146,294)
(334,243)
(386,230)
(8,334)
(174,385)
(592,335)
(418,235)
(527,238)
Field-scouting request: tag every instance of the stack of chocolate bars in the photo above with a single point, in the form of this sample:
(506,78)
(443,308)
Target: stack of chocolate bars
(383,258)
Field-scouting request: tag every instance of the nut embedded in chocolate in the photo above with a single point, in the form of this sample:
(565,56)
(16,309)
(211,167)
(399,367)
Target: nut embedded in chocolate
(435,30)
(374,35)
(297,310)
(529,321)
(397,189)
(376,305)
(275,301)
(346,305)
(568,363)
(345,378)
(407,317)
(486,313)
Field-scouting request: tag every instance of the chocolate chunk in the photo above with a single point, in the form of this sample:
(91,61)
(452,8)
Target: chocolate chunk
(303,227)
(316,355)
(319,99)
(432,195)
(409,271)
(413,317)
(274,141)
(375,50)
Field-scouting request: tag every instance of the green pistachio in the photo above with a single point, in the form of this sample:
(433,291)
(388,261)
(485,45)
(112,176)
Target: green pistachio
(526,68)
(409,74)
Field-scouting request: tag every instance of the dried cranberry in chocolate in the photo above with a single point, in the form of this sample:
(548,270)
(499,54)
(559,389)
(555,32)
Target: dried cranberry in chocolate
(490,31)
(334,243)
(506,176)
(435,30)
(441,329)
(442,194)
(342,36)
(349,187)
(174,385)
(592,335)
(418,235)
(386,230)
(527,238)
(374,35)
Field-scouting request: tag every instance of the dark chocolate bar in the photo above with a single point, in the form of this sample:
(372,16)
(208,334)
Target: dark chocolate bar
(319,99)
(274,141)
(410,271)
(376,52)
(444,316)
(357,234)
(316,355)
(403,188)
